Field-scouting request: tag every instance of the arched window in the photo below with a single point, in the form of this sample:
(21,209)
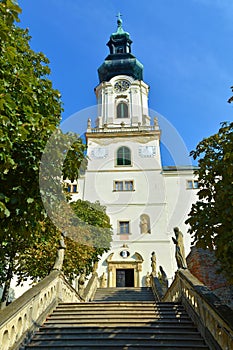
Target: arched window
(123,156)
(120,50)
(122,110)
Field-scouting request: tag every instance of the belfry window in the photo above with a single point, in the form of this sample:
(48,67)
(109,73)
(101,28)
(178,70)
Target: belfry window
(123,156)
(120,49)
(122,110)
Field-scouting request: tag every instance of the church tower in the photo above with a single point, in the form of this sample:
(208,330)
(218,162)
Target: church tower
(125,172)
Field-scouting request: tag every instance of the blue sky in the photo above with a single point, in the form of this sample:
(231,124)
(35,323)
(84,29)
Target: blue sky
(184,45)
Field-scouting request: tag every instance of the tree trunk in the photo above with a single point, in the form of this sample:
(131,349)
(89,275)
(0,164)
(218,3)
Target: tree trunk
(7,284)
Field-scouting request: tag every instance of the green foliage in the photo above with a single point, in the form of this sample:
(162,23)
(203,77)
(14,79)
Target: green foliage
(230,100)
(30,112)
(98,221)
(211,217)
(38,260)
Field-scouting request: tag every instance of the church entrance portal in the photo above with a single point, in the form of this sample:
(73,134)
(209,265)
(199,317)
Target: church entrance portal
(124,271)
(124,277)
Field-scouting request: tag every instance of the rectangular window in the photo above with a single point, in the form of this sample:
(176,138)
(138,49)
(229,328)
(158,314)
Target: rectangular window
(192,184)
(124,227)
(195,184)
(119,186)
(74,188)
(128,185)
(124,185)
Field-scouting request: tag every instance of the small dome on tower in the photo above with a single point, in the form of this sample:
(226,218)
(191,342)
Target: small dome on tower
(120,60)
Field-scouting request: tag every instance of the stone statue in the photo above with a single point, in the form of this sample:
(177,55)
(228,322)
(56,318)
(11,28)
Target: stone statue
(60,253)
(156,124)
(81,284)
(148,281)
(164,280)
(103,280)
(153,263)
(144,224)
(89,123)
(180,253)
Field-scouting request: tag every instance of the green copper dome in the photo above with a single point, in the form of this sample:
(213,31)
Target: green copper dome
(120,29)
(120,60)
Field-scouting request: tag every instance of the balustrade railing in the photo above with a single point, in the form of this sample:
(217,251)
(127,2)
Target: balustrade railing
(91,287)
(120,129)
(213,319)
(24,315)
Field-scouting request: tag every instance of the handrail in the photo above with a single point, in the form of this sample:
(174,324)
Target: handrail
(156,288)
(91,287)
(213,319)
(24,315)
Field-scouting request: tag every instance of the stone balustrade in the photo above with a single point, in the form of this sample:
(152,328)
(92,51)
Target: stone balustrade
(213,319)
(91,287)
(24,315)
(156,288)
(122,128)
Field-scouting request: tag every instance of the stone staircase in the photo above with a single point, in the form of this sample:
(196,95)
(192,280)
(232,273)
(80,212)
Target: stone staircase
(124,294)
(118,318)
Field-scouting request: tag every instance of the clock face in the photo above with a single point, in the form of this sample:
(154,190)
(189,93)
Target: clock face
(99,153)
(147,151)
(121,85)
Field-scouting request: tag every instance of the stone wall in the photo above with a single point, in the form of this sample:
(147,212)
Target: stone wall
(202,264)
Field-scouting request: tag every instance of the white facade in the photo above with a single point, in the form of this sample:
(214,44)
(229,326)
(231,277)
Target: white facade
(144,200)
(141,188)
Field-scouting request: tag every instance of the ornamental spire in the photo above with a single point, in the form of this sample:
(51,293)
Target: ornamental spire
(119,20)
(120,60)
(120,29)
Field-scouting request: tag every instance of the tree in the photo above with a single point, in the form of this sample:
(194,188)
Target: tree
(211,217)
(38,260)
(231,98)
(30,112)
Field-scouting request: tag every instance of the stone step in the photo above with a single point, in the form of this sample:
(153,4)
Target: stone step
(116,315)
(154,329)
(118,323)
(119,291)
(130,289)
(103,335)
(110,306)
(112,312)
(123,298)
(123,294)
(120,306)
(124,290)
(99,307)
(110,343)
(119,309)
(120,347)
(127,303)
